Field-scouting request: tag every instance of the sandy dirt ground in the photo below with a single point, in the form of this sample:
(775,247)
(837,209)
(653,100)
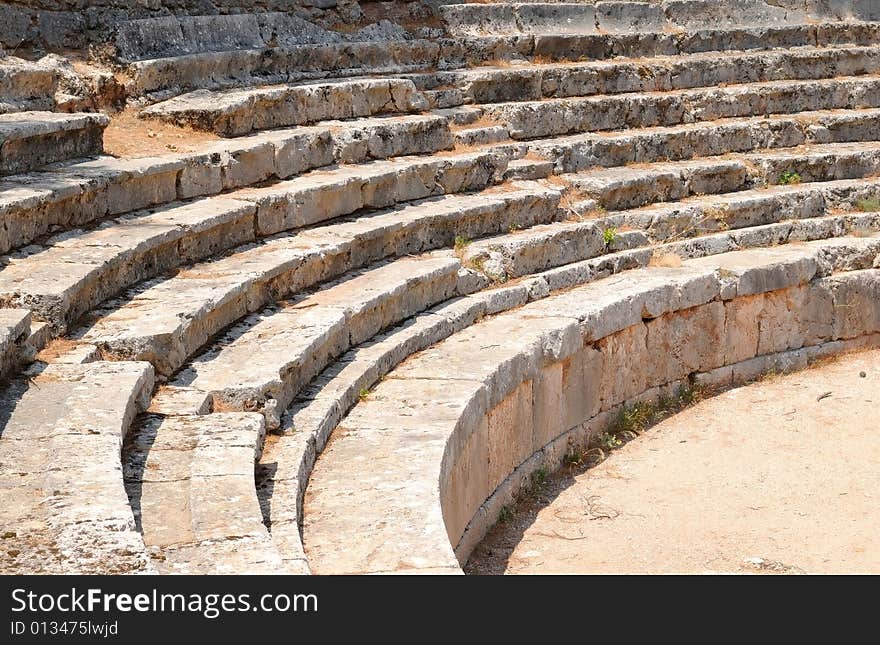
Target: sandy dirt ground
(128,136)
(781,476)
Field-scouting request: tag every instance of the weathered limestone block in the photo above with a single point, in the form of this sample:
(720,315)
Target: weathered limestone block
(191,482)
(620,351)
(582,377)
(510,433)
(240,111)
(30,140)
(547,401)
(15,329)
(684,342)
(855,301)
(64,505)
(741,333)
(466,486)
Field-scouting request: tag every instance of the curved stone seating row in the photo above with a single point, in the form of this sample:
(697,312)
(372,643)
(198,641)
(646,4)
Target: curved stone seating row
(578,47)
(64,506)
(803,212)
(190,480)
(553,117)
(421,467)
(175,35)
(240,111)
(77,194)
(518,81)
(583,18)
(263,361)
(237,112)
(705,139)
(163,77)
(630,187)
(101,263)
(306,427)
(206,297)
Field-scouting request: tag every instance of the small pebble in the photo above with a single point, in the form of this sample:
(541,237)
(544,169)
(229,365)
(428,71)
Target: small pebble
(862,374)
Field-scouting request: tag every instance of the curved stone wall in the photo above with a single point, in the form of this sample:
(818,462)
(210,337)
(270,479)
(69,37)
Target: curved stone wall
(717,344)
(453,434)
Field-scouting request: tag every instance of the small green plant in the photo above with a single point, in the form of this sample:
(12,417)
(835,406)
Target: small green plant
(505,515)
(538,482)
(609,441)
(461,243)
(789,177)
(573,459)
(363,394)
(609,235)
(633,420)
(869,205)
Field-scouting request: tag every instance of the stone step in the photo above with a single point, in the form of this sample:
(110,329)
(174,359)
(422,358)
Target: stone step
(29,140)
(75,194)
(468,422)
(552,117)
(164,77)
(190,480)
(626,187)
(102,262)
(806,213)
(481,135)
(263,361)
(742,209)
(238,112)
(675,42)
(64,505)
(445,98)
(524,81)
(528,169)
(325,194)
(614,17)
(15,330)
(706,139)
(166,321)
(26,86)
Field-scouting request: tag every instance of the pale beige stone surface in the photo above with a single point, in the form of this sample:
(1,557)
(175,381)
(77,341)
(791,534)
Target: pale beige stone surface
(64,505)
